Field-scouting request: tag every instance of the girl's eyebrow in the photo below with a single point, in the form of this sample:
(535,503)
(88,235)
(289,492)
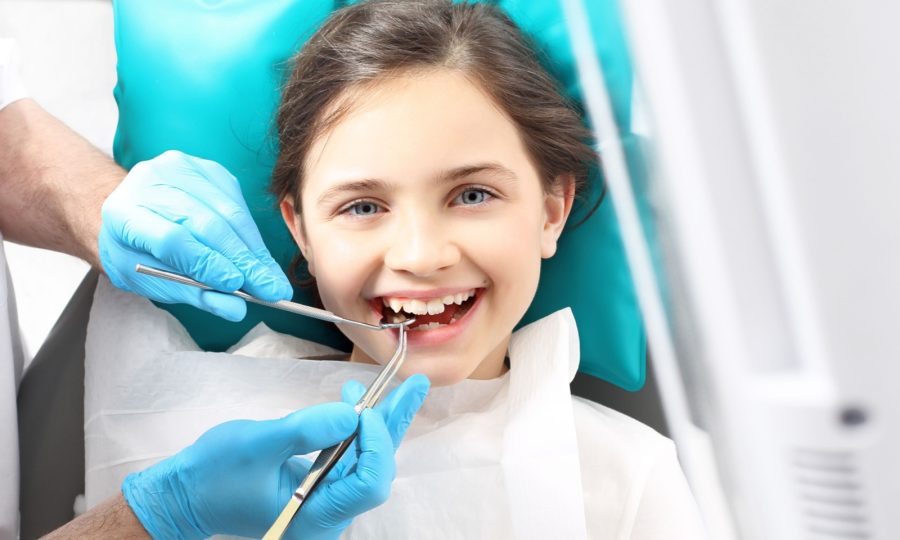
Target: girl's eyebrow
(468,170)
(448,176)
(353,186)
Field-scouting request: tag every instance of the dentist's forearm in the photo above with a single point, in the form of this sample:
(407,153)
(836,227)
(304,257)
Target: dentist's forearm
(52,182)
(112,518)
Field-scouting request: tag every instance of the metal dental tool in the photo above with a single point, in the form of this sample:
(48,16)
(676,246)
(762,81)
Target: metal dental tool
(328,457)
(284,305)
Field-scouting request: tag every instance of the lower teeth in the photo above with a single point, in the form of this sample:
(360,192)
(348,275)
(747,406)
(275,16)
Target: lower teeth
(428,326)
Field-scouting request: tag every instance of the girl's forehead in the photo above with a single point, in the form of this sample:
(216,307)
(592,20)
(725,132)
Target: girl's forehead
(413,124)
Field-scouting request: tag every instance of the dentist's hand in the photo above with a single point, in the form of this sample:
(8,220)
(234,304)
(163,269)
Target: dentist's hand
(238,476)
(187,215)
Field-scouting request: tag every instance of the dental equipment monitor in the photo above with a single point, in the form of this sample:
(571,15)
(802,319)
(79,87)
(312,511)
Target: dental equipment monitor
(766,252)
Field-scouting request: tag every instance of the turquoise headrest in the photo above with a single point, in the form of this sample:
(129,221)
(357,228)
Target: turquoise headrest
(203,77)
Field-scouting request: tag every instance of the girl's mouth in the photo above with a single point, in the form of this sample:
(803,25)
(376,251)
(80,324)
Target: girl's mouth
(430,314)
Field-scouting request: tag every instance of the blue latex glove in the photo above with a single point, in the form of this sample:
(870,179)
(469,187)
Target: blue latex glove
(187,215)
(238,476)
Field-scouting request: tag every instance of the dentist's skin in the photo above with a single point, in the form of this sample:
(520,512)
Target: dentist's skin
(52,183)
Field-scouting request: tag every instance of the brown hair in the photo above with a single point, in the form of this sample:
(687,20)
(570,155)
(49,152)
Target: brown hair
(368,41)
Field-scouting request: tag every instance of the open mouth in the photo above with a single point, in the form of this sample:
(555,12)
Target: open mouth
(429,313)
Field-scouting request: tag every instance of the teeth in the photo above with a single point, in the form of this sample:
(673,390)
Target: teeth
(427,307)
(435,306)
(416,307)
(428,326)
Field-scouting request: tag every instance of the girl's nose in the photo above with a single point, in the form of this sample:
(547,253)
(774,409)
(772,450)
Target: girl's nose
(421,246)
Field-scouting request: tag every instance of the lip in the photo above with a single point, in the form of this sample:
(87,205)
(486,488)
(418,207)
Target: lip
(443,334)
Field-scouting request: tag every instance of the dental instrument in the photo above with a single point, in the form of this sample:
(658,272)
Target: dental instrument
(328,457)
(284,305)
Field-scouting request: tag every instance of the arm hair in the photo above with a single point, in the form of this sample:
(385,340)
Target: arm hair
(112,518)
(52,183)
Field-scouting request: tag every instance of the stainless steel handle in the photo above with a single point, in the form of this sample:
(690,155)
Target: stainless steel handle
(284,305)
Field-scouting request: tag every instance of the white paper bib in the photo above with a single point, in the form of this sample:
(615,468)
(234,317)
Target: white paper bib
(483,459)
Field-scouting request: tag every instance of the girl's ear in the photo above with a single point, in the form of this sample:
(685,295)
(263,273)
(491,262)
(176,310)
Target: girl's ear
(295,224)
(557,206)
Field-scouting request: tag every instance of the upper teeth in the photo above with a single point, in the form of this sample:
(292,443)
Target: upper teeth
(427,307)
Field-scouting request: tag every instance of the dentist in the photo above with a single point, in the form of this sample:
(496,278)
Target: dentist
(238,475)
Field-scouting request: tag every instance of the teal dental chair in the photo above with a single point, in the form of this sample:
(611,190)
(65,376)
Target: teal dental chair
(219,64)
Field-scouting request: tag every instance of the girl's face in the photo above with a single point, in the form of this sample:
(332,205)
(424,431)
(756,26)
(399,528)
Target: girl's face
(422,199)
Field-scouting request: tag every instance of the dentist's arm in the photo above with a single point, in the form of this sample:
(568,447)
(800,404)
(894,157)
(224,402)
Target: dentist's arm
(176,211)
(52,182)
(111,518)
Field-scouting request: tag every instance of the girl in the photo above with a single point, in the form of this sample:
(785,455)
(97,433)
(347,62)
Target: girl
(428,163)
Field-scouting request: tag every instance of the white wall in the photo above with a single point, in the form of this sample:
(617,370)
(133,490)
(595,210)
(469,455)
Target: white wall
(68,65)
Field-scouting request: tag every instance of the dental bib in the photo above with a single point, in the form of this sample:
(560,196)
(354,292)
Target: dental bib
(483,459)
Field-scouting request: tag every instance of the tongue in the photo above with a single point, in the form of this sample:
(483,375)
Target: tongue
(442,318)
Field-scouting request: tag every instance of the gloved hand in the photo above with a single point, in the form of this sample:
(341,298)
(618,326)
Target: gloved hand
(238,476)
(187,215)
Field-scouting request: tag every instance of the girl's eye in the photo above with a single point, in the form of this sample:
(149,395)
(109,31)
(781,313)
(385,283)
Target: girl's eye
(361,209)
(472,197)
